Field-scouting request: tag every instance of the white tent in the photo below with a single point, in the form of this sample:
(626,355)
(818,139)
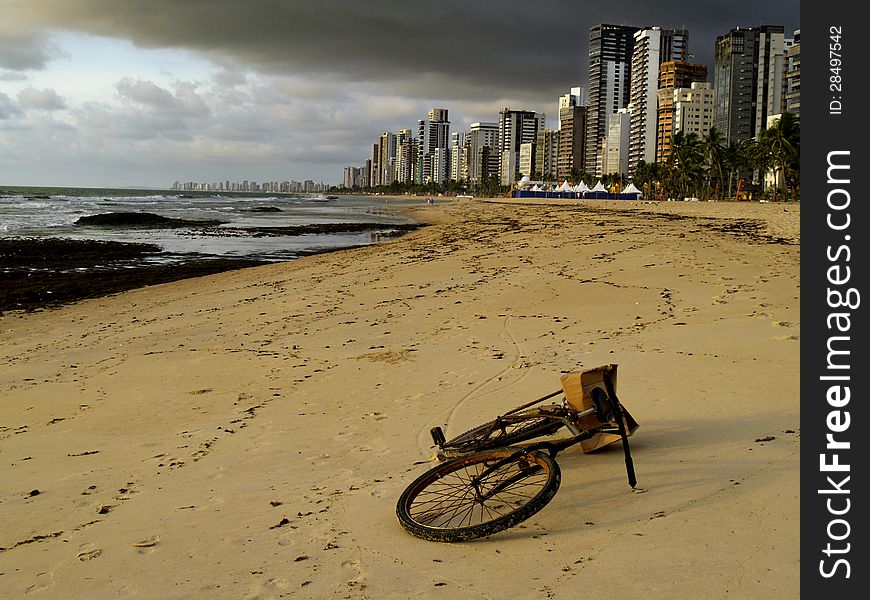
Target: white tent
(581,187)
(599,187)
(536,188)
(631,189)
(523,182)
(565,187)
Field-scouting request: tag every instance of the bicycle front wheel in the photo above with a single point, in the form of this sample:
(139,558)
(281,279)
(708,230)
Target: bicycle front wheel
(478,495)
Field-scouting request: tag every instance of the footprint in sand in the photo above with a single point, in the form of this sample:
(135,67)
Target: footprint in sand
(43,582)
(88,552)
(147,545)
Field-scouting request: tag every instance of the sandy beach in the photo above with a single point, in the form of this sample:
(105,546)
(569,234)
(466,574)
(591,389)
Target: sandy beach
(247,434)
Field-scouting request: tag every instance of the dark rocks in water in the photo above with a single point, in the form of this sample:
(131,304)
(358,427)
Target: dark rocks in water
(265,209)
(143,219)
(39,273)
(64,254)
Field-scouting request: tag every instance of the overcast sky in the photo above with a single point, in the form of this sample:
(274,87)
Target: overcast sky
(146,92)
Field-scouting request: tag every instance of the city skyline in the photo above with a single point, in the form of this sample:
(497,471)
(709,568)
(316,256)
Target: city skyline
(151,92)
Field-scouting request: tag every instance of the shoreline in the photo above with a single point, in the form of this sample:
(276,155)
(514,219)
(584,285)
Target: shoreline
(29,289)
(248,433)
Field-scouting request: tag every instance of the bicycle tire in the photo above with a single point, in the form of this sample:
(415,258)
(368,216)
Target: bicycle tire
(516,428)
(444,505)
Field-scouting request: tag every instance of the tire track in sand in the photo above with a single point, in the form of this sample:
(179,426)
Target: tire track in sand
(423,436)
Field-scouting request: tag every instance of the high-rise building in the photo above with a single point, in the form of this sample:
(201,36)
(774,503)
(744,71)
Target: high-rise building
(749,80)
(793,76)
(374,166)
(576,97)
(693,108)
(652,47)
(615,149)
(672,75)
(572,133)
(610,50)
(433,134)
(406,156)
(547,154)
(572,141)
(387,158)
(516,127)
(526,160)
(365,177)
(458,168)
(482,151)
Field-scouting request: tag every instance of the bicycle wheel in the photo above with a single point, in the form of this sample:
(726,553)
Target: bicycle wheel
(478,495)
(505,431)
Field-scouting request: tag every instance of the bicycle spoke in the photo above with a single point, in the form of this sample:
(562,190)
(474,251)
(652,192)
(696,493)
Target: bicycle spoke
(453,501)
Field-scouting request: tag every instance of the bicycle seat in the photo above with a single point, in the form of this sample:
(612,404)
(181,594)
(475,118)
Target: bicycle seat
(588,389)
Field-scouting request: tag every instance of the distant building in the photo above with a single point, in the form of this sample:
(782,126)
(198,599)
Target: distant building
(672,75)
(749,80)
(693,108)
(516,127)
(406,157)
(572,133)
(365,180)
(547,154)
(386,158)
(433,134)
(482,155)
(793,76)
(610,51)
(526,160)
(652,47)
(458,166)
(351,177)
(575,97)
(374,166)
(615,148)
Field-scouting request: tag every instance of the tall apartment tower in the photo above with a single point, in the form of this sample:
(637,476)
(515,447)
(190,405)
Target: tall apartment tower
(482,151)
(793,76)
(749,80)
(610,51)
(406,156)
(547,154)
(458,168)
(374,165)
(387,158)
(615,147)
(516,127)
(433,135)
(672,75)
(572,133)
(576,97)
(652,47)
(693,108)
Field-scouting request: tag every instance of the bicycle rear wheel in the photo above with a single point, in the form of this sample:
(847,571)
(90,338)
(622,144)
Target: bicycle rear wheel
(478,495)
(505,431)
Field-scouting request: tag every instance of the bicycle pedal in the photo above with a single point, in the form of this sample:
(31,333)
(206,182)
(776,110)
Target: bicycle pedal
(437,436)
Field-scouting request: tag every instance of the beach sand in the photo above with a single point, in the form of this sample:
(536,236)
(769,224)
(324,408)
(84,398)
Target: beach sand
(247,434)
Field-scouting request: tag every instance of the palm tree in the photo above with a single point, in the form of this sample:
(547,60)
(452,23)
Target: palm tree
(686,163)
(713,146)
(734,161)
(782,142)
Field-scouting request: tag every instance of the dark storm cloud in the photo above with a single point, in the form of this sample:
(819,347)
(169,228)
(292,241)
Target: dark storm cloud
(445,49)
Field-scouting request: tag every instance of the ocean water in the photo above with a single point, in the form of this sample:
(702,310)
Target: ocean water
(250,222)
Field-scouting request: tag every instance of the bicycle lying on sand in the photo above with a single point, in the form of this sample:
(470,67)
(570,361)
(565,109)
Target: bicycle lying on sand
(486,484)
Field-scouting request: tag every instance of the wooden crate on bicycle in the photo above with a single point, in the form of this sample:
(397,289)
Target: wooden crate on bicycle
(588,389)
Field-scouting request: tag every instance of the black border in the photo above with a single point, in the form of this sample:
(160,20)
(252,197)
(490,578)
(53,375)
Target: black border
(823,132)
